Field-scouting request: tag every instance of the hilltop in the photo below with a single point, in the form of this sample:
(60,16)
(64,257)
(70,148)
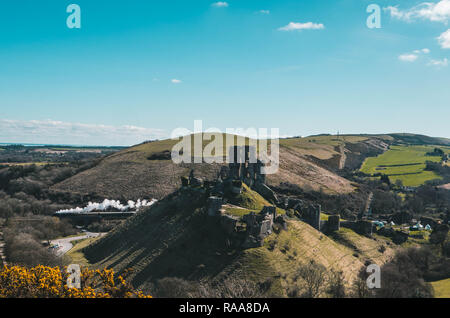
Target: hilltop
(146,171)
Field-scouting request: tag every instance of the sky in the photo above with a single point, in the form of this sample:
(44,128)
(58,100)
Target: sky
(136,70)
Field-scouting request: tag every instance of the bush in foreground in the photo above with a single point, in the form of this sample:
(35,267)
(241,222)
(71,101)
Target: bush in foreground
(51,282)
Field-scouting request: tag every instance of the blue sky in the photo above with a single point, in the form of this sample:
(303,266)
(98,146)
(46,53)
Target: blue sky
(136,70)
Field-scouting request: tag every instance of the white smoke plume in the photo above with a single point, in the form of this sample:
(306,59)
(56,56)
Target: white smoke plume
(111,204)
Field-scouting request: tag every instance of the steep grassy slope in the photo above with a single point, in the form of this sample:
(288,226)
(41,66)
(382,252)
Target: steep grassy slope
(145,171)
(175,238)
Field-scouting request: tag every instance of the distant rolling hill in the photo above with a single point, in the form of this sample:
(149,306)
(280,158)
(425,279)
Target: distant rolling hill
(413,139)
(145,171)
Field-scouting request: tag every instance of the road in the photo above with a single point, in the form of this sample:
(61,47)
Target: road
(66,243)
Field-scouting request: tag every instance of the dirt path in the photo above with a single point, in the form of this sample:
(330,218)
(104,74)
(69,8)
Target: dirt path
(343,158)
(368,203)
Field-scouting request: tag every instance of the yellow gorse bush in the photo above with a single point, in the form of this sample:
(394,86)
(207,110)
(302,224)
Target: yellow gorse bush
(51,282)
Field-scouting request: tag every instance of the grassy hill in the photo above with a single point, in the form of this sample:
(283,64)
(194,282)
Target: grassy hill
(175,238)
(145,171)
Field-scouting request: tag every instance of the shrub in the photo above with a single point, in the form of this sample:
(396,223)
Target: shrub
(336,284)
(50,282)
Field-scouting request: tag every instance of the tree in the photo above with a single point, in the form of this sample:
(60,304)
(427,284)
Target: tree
(439,235)
(385,179)
(399,183)
(359,287)
(336,284)
(314,276)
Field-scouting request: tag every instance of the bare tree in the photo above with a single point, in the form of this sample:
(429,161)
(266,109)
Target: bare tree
(336,284)
(359,287)
(314,276)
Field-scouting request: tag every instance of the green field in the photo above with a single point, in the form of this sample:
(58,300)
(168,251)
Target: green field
(405,163)
(441,288)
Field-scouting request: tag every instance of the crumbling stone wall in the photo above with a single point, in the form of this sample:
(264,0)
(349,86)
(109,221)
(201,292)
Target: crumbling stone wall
(250,230)
(214,206)
(311,215)
(259,226)
(362,227)
(334,223)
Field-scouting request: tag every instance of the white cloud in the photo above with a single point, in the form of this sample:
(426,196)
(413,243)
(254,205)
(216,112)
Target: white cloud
(292,26)
(439,63)
(424,51)
(438,12)
(264,11)
(444,40)
(411,57)
(58,132)
(220,4)
(408,57)
(176,81)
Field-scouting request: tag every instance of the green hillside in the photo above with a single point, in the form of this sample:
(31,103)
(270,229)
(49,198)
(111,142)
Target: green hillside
(405,163)
(175,238)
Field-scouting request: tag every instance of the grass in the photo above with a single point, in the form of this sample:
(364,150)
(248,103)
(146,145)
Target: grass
(208,138)
(321,147)
(76,255)
(405,163)
(424,240)
(283,252)
(249,201)
(441,288)
(239,212)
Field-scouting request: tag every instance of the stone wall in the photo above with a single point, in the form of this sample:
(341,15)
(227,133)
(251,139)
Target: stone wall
(214,206)
(361,227)
(257,227)
(333,223)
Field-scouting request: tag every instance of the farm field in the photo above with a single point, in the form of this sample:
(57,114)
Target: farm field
(405,163)
(441,288)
